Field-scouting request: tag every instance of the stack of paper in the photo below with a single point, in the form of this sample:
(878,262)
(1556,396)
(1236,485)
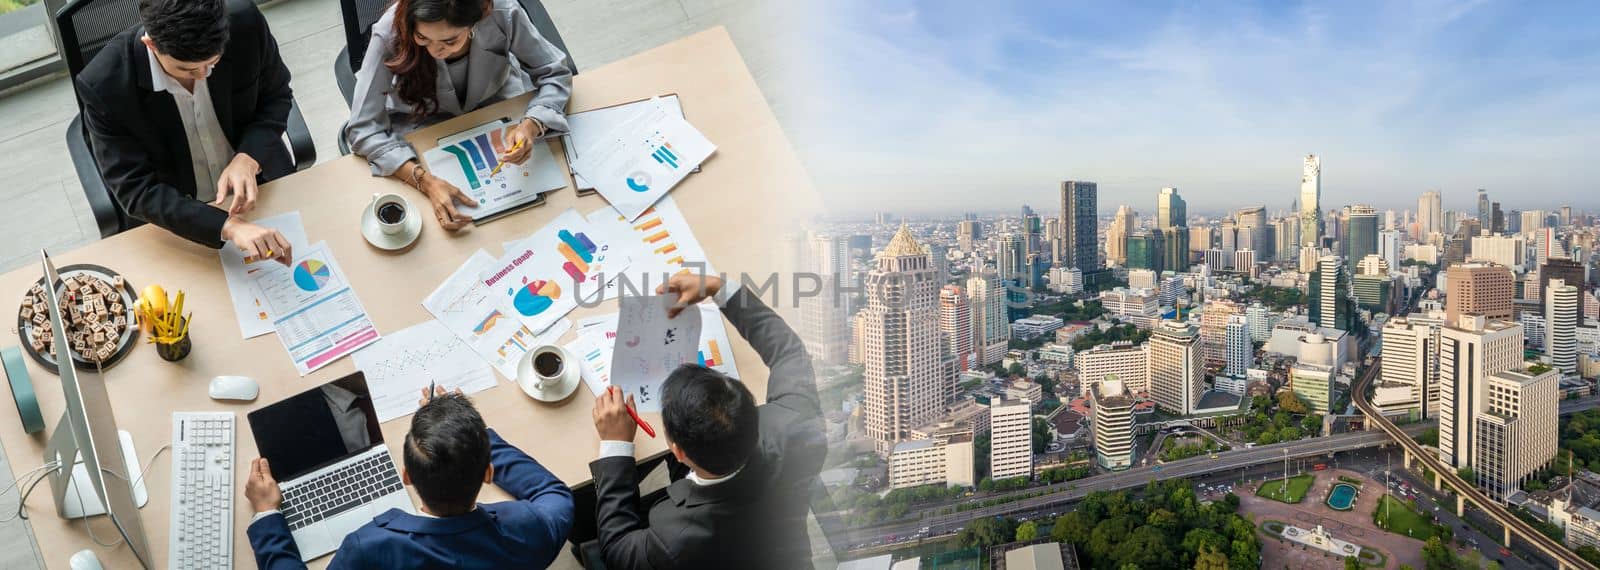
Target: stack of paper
(639,367)
(469,161)
(481,319)
(401,367)
(643,157)
(319,319)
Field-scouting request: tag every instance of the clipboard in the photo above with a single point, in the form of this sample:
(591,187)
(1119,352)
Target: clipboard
(538,200)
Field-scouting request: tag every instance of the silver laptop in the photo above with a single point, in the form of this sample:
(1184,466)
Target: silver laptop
(326,451)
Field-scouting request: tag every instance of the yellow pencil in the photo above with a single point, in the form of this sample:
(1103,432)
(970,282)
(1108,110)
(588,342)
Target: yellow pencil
(514,148)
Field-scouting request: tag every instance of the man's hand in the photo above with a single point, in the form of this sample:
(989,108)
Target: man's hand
(437,392)
(238,181)
(611,418)
(691,288)
(444,197)
(261,489)
(526,132)
(257,242)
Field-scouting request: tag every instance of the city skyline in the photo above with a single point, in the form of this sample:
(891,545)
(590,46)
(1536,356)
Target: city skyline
(1396,100)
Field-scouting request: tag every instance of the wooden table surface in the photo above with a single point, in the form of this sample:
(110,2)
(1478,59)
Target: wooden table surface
(748,195)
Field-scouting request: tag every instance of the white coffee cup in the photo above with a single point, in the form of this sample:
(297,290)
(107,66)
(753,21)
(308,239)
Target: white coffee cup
(548,373)
(390,210)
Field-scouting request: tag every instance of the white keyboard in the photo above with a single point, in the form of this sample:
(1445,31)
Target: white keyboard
(201,535)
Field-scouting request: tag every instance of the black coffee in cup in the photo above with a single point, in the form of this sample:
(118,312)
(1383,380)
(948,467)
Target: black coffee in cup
(547,364)
(391,213)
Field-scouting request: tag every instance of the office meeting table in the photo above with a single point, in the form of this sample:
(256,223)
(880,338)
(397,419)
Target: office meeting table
(740,206)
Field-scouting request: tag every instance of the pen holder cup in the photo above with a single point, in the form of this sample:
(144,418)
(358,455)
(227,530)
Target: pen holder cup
(177,349)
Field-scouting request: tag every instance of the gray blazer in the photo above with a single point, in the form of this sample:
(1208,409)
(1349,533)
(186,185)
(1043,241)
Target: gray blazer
(507,58)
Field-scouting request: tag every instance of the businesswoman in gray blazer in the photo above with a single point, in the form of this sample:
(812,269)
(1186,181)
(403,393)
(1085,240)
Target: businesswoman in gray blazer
(430,60)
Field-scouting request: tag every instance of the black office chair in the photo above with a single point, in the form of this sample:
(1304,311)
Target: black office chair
(85,27)
(360,15)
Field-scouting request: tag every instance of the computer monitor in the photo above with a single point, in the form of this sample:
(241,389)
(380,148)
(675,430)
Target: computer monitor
(88,434)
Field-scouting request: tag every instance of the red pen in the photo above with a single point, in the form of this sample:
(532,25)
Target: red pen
(650,431)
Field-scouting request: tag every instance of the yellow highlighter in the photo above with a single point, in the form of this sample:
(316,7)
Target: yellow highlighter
(514,148)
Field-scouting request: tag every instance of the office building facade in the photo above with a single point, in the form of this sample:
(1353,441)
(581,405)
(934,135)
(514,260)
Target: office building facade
(986,297)
(944,458)
(1123,359)
(1561,318)
(1311,200)
(905,384)
(1471,350)
(1080,222)
(1113,425)
(1515,429)
(1332,304)
(1177,369)
(955,325)
(1010,439)
(1478,289)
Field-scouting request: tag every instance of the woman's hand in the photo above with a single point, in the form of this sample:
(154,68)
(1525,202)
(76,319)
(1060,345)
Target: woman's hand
(444,197)
(526,133)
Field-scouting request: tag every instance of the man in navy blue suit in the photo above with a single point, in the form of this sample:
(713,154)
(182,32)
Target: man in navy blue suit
(449,455)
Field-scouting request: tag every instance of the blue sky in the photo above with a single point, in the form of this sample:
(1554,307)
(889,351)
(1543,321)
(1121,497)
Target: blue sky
(937,106)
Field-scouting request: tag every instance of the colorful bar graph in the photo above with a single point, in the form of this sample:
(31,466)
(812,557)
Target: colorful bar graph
(669,248)
(472,150)
(658,236)
(466,166)
(491,157)
(651,224)
(716,355)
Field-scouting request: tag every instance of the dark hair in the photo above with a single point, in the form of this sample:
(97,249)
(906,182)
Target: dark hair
(711,417)
(186,30)
(447,452)
(415,73)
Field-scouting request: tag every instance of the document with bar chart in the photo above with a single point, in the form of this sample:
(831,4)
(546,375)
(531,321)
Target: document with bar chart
(641,159)
(483,320)
(597,336)
(660,243)
(468,160)
(543,277)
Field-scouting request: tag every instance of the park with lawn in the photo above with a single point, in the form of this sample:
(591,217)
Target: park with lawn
(1293,492)
(1400,517)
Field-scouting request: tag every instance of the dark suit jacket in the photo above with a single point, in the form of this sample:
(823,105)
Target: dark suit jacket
(755,520)
(138,139)
(525,533)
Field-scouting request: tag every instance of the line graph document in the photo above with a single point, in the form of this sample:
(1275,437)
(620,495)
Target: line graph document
(401,365)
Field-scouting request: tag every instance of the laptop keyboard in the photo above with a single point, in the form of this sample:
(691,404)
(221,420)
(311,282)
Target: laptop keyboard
(338,491)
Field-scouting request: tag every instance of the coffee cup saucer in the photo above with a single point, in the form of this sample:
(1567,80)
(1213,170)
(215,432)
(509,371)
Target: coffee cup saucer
(371,229)
(554,389)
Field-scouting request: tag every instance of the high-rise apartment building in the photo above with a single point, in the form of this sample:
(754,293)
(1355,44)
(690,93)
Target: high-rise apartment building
(1213,330)
(1117,235)
(1010,439)
(1361,233)
(1411,361)
(1113,425)
(1430,215)
(1483,208)
(1562,313)
(1240,348)
(968,234)
(1331,301)
(1171,210)
(1471,350)
(905,383)
(1177,370)
(991,330)
(955,325)
(1252,222)
(825,316)
(1080,220)
(1478,289)
(1389,247)
(1510,251)
(1515,429)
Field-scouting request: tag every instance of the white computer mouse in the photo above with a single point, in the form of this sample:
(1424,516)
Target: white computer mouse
(85,560)
(234,388)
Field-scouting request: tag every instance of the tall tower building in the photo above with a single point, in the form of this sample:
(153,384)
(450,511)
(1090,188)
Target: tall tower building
(1117,235)
(1010,258)
(1389,247)
(1079,219)
(1483,208)
(1471,350)
(1562,310)
(1331,301)
(1311,200)
(1177,370)
(955,325)
(1478,289)
(991,330)
(1411,362)
(825,317)
(1430,214)
(1010,439)
(904,379)
(1200,238)
(1252,222)
(1175,249)
(1361,233)
(1113,425)
(1171,210)
(1287,233)
(1240,348)
(968,233)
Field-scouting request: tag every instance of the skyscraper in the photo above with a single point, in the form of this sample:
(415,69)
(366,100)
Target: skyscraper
(991,331)
(1311,200)
(1175,249)
(1010,257)
(955,324)
(1079,219)
(1411,361)
(968,232)
(1484,214)
(1361,233)
(1117,235)
(1200,238)
(1478,289)
(1331,301)
(1562,310)
(1113,425)
(1430,215)
(1287,233)
(825,316)
(1252,222)
(1389,247)
(1146,250)
(1171,210)
(1471,350)
(1177,369)
(1240,349)
(904,380)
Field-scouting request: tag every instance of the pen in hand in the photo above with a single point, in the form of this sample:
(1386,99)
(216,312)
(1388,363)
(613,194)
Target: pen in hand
(514,148)
(650,431)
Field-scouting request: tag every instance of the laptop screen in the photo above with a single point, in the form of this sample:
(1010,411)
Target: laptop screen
(316,428)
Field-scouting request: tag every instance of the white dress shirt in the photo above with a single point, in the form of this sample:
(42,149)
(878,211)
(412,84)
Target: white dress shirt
(208,146)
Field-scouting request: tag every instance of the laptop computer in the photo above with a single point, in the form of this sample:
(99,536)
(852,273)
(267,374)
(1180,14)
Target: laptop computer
(326,451)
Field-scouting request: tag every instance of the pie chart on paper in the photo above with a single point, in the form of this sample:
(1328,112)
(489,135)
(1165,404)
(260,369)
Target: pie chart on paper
(311,274)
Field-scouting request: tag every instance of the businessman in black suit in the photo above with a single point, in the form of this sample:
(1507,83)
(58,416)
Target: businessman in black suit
(742,472)
(186,116)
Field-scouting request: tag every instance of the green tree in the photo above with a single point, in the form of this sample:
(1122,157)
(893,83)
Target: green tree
(1027,531)
(1016,369)
(1289,402)
(1072,527)
(1041,434)
(986,532)
(1352,563)
(1467,474)
(1435,556)
(1210,559)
